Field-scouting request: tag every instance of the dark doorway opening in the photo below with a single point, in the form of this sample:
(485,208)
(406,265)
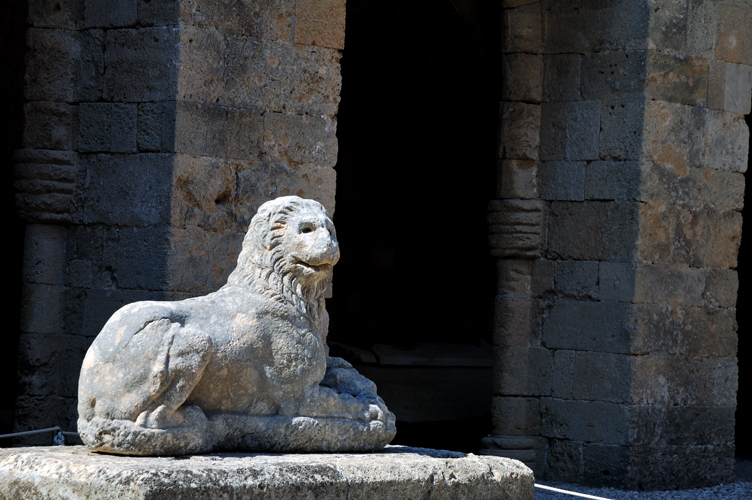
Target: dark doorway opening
(414,289)
(743,429)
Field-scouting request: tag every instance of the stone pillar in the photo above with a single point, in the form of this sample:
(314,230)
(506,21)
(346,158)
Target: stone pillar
(618,226)
(154,129)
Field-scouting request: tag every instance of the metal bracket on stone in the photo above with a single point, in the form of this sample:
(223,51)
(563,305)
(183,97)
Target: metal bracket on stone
(516,228)
(47,184)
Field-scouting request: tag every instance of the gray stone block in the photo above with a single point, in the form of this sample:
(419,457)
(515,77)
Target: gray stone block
(576,279)
(107,128)
(561,77)
(563,374)
(300,139)
(44,254)
(134,258)
(562,180)
(520,131)
(593,230)
(41,308)
(132,190)
(201,259)
(200,129)
(397,472)
(521,75)
(724,139)
(245,133)
(682,425)
(543,277)
(605,464)
(527,371)
(600,376)
(159,13)
(523,29)
(66,14)
(156,127)
(616,281)
(89,68)
(267,19)
(50,125)
(201,76)
(721,286)
(569,131)
(512,323)
(657,284)
(729,87)
(731,40)
(204,193)
(142,65)
(110,13)
(668,27)
(592,421)
(564,460)
(702,20)
(515,416)
(621,133)
(612,180)
(518,179)
(585,325)
(617,73)
(49,364)
(50,65)
(514,277)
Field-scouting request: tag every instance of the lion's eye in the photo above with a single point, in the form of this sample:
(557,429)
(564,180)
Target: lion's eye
(306,229)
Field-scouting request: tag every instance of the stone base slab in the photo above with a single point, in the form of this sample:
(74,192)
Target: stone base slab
(397,472)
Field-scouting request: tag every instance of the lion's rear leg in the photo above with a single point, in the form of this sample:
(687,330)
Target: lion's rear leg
(183,356)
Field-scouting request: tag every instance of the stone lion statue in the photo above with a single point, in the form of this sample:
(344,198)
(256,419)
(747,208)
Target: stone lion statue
(243,368)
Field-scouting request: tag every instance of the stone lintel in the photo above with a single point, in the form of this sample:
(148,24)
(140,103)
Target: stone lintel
(397,472)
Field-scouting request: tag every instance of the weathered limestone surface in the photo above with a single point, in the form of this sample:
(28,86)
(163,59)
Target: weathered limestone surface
(395,473)
(243,368)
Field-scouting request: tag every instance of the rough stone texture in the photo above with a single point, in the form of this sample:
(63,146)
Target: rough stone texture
(396,472)
(243,368)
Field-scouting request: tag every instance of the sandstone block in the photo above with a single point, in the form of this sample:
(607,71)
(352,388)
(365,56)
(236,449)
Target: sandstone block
(621,133)
(579,325)
(724,144)
(612,180)
(562,180)
(721,286)
(41,308)
(518,179)
(672,466)
(260,181)
(245,132)
(660,284)
(527,371)
(561,77)
(515,416)
(129,190)
(281,78)
(599,376)
(520,131)
(397,472)
(44,248)
(522,77)
(300,139)
(265,19)
(576,279)
(729,87)
(569,131)
(616,281)
(564,460)
(731,42)
(66,14)
(605,464)
(204,193)
(616,73)
(693,188)
(142,64)
(676,79)
(105,127)
(668,26)
(682,425)
(593,421)
(522,29)
(701,28)
(665,135)
(201,73)
(50,65)
(156,126)
(48,364)
(110,14)
(200,129)
(592,230)
(320,23)
(50,125)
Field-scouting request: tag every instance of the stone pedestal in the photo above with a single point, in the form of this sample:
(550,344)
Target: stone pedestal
(396,473)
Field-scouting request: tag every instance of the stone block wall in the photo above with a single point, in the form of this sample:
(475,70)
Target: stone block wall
(154,130)
(622,152)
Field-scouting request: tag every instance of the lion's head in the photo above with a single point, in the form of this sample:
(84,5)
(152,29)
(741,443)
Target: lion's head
(289,252)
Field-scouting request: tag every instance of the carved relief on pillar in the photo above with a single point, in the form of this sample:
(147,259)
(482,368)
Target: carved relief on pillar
(516,228)
(48,185)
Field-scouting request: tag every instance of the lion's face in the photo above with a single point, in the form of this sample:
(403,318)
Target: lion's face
(309,244)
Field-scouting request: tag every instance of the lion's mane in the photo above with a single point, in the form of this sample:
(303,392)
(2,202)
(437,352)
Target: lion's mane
(265,267)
